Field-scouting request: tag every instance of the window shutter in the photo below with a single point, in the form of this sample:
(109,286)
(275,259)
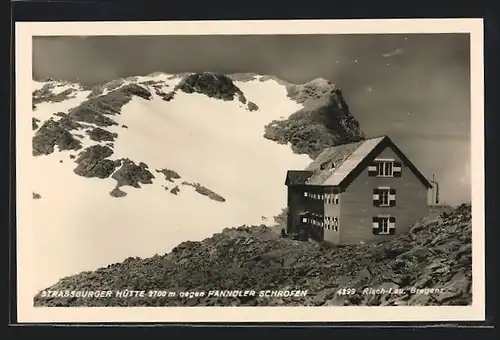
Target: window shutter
(375,226)
(392,197)
(376,197)
(372,170)
(396,170)
(392,225)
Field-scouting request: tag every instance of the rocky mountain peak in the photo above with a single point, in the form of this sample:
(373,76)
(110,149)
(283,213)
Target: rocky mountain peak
(214,85)
(318,89)
(324,121)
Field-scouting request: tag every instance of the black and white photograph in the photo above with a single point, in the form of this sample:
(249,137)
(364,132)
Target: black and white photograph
(227,168)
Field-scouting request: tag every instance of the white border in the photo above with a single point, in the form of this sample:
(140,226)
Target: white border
(27,313)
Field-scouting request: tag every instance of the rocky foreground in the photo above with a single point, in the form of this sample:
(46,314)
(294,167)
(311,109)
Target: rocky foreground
(430,265)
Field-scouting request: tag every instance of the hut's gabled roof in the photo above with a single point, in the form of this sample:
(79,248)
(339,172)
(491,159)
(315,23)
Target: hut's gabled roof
(339,165)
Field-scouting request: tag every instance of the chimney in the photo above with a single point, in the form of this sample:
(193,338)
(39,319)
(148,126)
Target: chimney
(435,190)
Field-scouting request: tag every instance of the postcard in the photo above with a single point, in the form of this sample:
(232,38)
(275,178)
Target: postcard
(250,171)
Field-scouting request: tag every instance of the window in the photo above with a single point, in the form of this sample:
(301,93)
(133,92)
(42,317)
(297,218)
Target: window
(332,198)
(384,168)
(384,225)
(305,194)
(304,219)
(384,197)
(332,223)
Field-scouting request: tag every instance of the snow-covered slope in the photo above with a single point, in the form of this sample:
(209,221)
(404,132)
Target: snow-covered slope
(169,160)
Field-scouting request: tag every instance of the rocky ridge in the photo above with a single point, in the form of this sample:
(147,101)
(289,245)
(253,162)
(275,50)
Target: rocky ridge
(213,85)
(324,121)
(434,257)
(93,117)
(46,93)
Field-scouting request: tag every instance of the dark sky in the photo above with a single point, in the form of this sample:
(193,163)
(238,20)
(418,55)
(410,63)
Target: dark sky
(419,94)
